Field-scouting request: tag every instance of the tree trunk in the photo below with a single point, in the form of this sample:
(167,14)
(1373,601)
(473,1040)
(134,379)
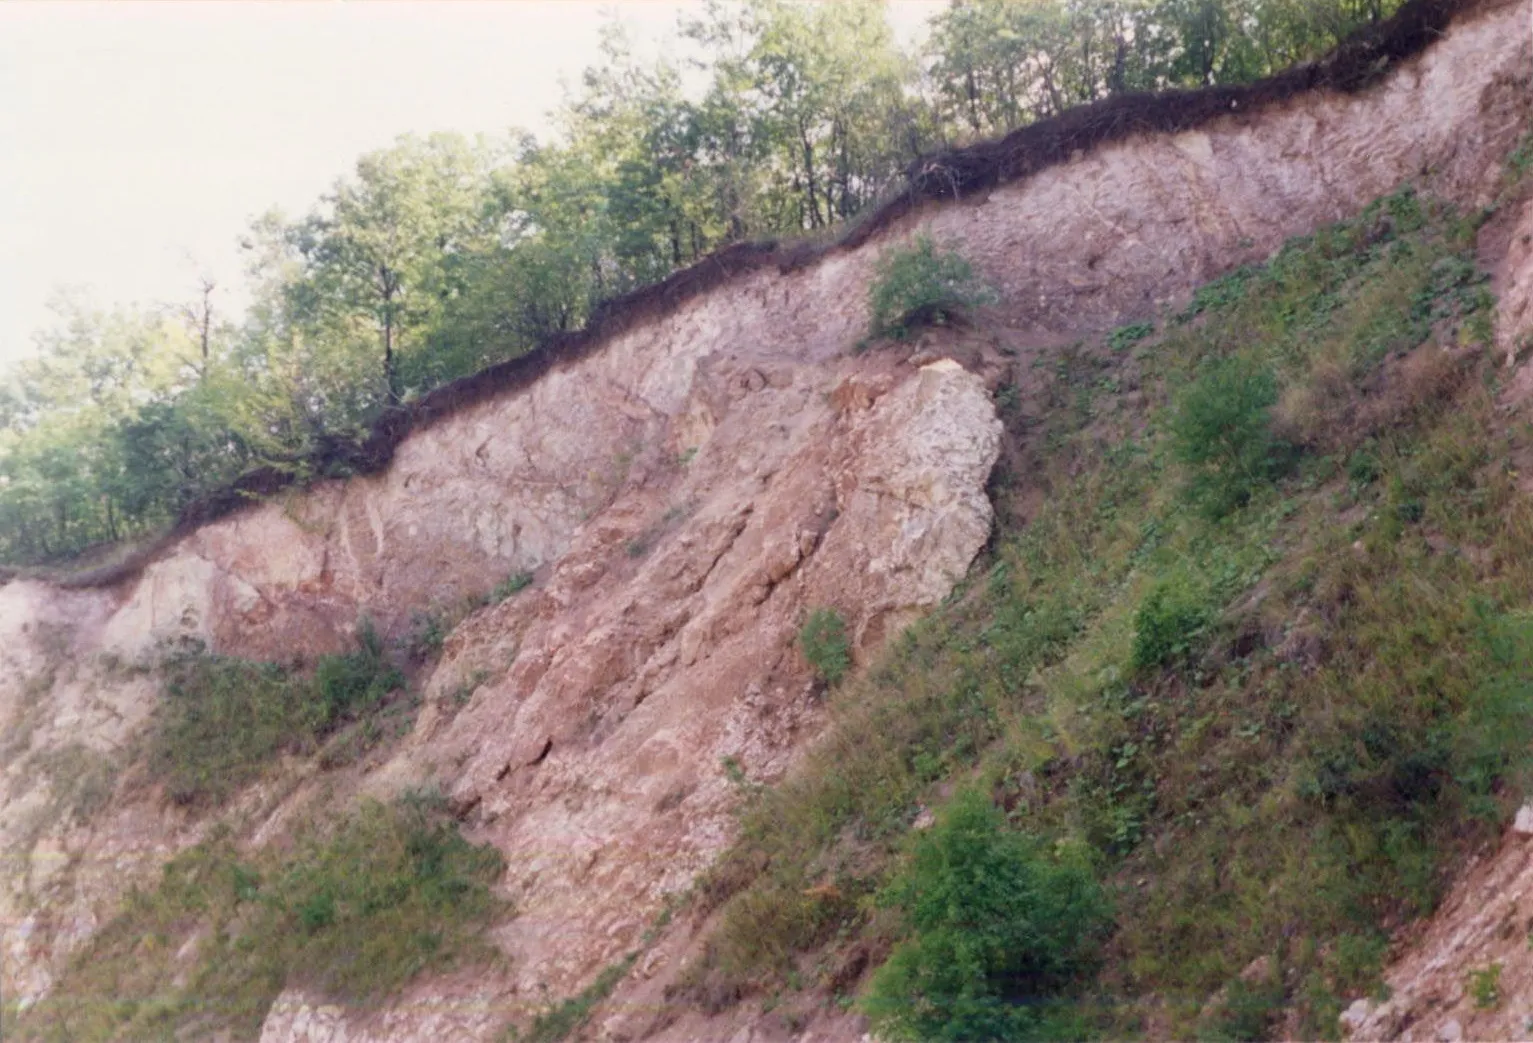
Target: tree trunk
(814,199)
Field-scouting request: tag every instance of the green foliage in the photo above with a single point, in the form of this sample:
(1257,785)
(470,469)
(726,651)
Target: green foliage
(354,912)
(1125,337)
(1170,623)
(1221,429)
(568,1016)
(1485,987)
(997,928)
(824,644)
(428,632)
(919,285)
(224,720)
(511,586)
(1247,1012)
(438,256)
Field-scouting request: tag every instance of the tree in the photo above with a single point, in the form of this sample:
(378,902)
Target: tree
(374,254)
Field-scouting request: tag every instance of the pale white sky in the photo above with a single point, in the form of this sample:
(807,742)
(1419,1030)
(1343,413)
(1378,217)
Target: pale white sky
(137,140)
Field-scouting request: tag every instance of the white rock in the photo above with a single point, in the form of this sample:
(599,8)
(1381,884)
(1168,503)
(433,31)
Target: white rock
(1354,1016)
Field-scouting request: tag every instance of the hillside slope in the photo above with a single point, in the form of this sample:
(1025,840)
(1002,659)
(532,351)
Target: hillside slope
(679,500)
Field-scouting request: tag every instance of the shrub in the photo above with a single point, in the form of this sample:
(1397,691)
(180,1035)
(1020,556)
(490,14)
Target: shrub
(824,644)
(559,1021)
(428,632)
(1246,1013)
(355,681)
(998,930)
(1222,430)
(511,585)
(1125,337)
(1168,624)
(920,285)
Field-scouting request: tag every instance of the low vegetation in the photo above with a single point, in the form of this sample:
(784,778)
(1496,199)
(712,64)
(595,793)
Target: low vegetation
(351,913)
(224,720)
(1258,666)
(568,1016)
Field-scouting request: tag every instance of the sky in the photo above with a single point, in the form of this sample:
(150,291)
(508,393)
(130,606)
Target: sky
(139,139)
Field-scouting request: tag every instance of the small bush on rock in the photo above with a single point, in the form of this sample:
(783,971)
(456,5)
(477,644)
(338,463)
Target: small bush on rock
(921,285)
(825,646)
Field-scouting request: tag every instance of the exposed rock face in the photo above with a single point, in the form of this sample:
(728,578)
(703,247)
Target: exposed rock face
(686,495)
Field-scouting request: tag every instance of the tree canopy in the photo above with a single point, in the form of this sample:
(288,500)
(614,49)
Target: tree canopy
(440,255)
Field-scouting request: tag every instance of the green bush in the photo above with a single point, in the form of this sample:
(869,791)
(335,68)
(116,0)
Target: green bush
(823,641)
(1125,337)
(998,930)
(1221,429)
(920,285)
(559,1021)
(1246,1012)
(357,681)
(511,585)
(1168,624)
(428,632)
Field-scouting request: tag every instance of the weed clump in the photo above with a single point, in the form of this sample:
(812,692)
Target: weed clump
(824,644)
(921,285)
(560,1020)
(998,929)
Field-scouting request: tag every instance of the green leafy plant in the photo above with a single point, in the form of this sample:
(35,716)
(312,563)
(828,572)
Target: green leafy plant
(1221,430)
(559,1021)
(920,285)
(1485,987)
(824,644)
(1125,337)
(428,632)
(1169,623)
(510,586)
(998,929)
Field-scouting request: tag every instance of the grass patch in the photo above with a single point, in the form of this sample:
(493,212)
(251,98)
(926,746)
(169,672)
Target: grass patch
(223,720)
(353,912)
(511,586)
(568,1016)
